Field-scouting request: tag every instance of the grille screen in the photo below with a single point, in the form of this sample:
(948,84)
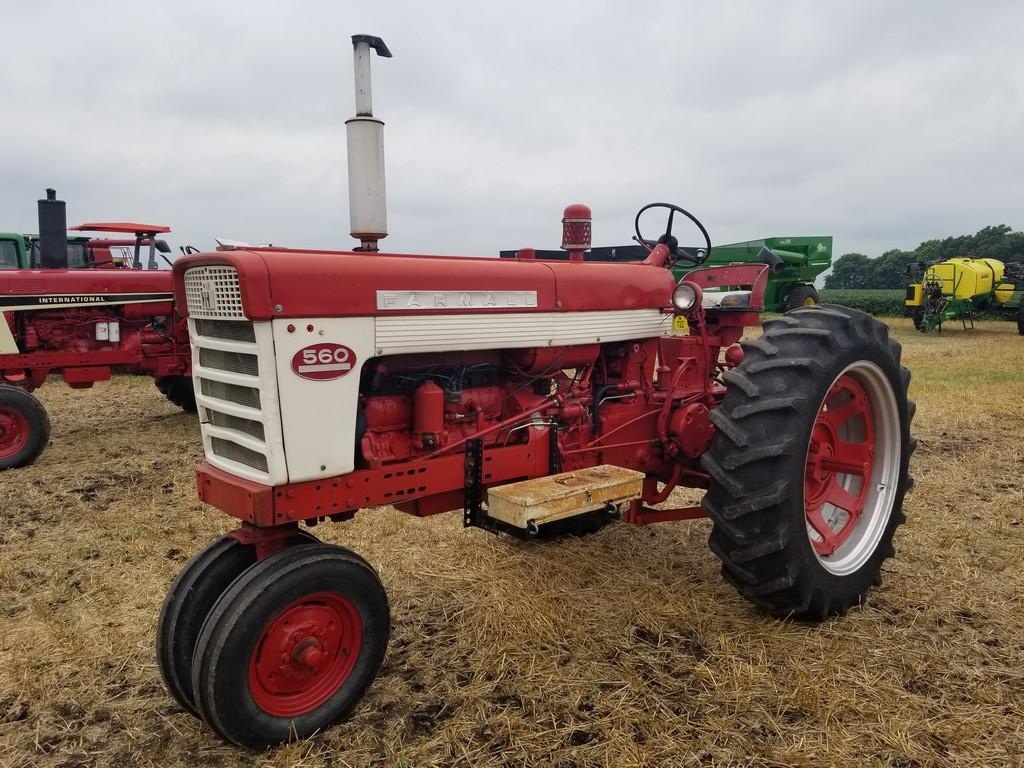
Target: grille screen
(227,421)
(236,362)
(212,291)
(221,329)
(247,396)
(235,452)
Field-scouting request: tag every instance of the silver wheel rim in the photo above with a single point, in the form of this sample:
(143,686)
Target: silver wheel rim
(883,482)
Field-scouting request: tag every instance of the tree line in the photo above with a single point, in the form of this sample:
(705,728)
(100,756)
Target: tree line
(855,270)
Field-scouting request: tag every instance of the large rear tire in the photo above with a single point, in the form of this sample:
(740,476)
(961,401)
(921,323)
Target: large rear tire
(1020,318)
(179,390)
(809,464)
(291,646)
(24,427)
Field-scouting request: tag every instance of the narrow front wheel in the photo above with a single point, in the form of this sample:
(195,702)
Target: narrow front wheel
(189,601)
(292,646)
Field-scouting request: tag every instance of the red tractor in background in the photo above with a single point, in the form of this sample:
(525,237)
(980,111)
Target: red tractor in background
(84,321)
(526,393)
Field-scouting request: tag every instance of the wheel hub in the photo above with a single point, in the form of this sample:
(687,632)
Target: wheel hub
(13,432)
(305,654)
(840,461)
(818,479)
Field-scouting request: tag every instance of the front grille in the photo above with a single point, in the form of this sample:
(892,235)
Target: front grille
(213,292)
(236,362)
(233,393)
(239,453)
(238,428)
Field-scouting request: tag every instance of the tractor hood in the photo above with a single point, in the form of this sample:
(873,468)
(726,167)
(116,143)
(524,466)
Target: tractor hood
(73,282)
(277,283)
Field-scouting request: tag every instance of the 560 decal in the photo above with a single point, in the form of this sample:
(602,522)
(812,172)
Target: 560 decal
(323,361)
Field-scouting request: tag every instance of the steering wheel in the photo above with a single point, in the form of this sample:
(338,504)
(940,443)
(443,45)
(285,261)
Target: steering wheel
(670,240)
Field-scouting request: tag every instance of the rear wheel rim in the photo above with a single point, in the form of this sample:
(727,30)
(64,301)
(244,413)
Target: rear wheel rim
(14,432)
(851,473)
(305,654)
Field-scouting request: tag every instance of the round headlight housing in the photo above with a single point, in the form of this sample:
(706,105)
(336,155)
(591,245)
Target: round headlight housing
(686,296)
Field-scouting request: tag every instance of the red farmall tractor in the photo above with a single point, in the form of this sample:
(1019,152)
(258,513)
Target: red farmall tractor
(83,321)
(528,394)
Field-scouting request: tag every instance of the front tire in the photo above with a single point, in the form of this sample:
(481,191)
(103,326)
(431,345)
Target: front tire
(188,602)
(1020,318)
(24,427)
(809,464)
(292,646)
(179,390)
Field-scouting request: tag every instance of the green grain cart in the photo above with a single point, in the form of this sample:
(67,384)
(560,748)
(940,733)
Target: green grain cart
(789,286)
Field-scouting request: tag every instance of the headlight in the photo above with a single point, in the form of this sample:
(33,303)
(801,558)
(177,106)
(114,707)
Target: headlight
(686,296)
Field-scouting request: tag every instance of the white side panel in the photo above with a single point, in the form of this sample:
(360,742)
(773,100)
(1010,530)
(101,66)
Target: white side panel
(438,332)
(8,346)
(319,417)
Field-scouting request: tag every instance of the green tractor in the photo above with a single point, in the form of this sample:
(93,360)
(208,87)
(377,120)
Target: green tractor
(796,262)
(84,251)
(961,288)
(791,282)
(21,251)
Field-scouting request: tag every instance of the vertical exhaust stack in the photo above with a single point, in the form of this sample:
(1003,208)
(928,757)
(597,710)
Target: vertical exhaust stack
(53,232)
(367,197)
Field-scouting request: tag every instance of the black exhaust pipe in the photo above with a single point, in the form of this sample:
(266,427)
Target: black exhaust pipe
(53,232)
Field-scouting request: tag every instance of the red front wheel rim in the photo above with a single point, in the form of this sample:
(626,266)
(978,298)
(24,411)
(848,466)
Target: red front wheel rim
(14,432)
(840,464)
(305,654)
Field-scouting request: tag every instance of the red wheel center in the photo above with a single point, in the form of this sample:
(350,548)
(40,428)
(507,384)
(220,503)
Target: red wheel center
(305,655)
(13,432)
(840,460)
(818,478)
(311,657)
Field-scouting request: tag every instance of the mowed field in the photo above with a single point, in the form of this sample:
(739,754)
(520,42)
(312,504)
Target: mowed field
(622,649)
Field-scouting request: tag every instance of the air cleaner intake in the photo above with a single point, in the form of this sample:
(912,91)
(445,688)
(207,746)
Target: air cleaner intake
(576,231)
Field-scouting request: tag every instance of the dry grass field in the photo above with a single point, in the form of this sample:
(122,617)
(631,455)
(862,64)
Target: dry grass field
(622,649)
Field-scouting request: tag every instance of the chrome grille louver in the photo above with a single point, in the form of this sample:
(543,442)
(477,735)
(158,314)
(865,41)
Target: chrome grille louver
(237,362)
(234,375)
(221,390)
(239,453)
(226,329)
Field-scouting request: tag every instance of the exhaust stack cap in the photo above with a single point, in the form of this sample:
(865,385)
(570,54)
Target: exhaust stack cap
(367,194)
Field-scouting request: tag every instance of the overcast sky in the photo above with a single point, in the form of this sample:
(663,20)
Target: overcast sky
(881,123)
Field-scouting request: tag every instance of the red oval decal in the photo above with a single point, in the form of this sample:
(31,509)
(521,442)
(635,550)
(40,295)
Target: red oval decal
(323,361)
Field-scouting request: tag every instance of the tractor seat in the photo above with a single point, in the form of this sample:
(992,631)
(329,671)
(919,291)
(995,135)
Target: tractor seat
(726,300)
